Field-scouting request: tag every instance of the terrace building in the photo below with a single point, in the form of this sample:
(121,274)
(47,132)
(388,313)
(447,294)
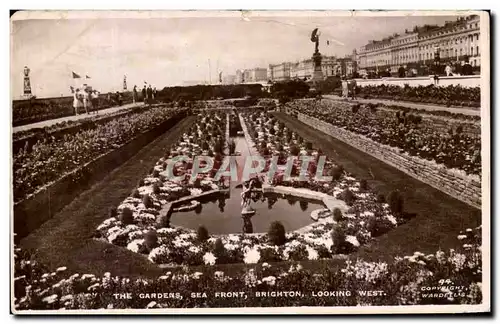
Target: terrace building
(454,42)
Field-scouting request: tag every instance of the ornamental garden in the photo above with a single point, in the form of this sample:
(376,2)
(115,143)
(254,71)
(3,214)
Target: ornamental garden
(301,232)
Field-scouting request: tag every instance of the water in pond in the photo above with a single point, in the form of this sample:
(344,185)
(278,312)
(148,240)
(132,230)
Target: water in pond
(222,215)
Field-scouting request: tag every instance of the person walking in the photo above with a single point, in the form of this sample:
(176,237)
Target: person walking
(95,101)
(134,94)
(86,100)
(149,94)
(77,103)
(353,88)
(144,97)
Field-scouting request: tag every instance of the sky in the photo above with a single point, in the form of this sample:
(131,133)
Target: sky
(171,51)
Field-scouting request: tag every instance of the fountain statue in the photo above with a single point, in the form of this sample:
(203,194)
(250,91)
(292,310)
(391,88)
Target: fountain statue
(246,197)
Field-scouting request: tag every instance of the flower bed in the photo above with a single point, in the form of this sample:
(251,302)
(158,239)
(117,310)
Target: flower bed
(52,158)
(338,233)
(409,133)
(139,215)
(448,96)
(401,281)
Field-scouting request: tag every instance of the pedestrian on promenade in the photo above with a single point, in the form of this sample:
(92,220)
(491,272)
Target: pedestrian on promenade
(149,92)
(95,101)
(353,88)
(144,97)
(118,98)
(447,70)
(77,102)
(134,94)
(345,89)
(86,99)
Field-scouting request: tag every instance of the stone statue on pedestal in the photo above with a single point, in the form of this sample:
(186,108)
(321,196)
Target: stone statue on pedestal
(318,72)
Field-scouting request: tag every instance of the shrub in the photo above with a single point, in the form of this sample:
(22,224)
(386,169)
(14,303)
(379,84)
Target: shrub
(339,242)
(156,173)
(269,255)
(309,146)
(337,215)
(112,212)
(151,240)
(378,226)
(294,150)
(277,233)
(156,189)
(127,216)
(202,234)
(380,198)
(336,172)
(323,252)
(140,183)
(348,197)
(220,251)
(363,185)
(395,201)
(147,201)
(135,193)
(298,254)
(355,108)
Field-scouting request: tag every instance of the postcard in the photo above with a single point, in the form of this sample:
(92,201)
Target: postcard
(244,162)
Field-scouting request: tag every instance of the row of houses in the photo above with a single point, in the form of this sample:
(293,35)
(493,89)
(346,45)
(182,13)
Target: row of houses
(330,65)
(456,41)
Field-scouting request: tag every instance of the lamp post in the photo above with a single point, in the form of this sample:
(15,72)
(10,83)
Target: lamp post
(27,85)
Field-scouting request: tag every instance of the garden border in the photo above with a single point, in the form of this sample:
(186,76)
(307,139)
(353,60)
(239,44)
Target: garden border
(32,212)
(459,187)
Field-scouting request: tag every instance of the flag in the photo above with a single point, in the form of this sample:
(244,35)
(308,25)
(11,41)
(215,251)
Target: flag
(87,77)
(75,76)
(220,77)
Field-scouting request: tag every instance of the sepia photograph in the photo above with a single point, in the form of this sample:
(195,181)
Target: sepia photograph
(250,162)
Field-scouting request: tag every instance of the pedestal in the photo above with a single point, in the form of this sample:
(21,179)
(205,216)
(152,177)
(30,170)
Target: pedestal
(318,72)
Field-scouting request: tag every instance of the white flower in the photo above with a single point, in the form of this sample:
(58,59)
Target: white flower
(461,237)
(197,275)
(391,219)
(151,304)
(352,239)
(135,245)
(271,280)
(252,256)
(312,254)
(50,299)
(60,269)
(209,258)
(158,252)
(265,265)
(194,249)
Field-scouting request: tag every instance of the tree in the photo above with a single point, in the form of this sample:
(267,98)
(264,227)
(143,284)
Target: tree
(202,234)
(277,233)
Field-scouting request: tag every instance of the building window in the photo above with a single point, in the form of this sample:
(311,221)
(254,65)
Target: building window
(477,50)
(471,50)
(476,25)
(477,36)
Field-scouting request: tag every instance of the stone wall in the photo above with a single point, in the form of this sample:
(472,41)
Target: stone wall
(468,81)
(450,182)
